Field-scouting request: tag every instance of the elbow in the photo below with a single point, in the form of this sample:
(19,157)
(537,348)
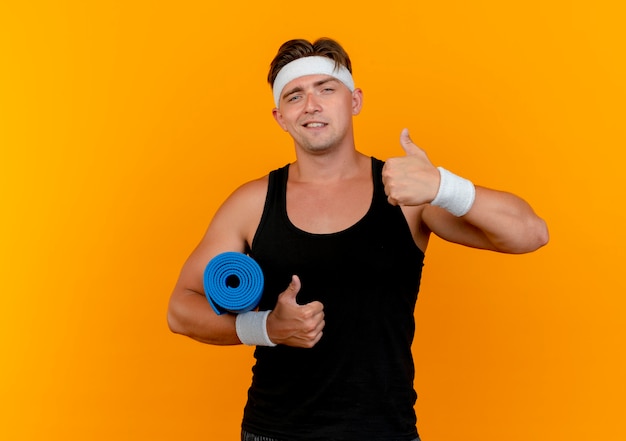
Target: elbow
(530,236)
(543,235)
(536,236)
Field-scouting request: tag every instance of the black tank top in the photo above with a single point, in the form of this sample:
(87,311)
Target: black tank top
(357,382)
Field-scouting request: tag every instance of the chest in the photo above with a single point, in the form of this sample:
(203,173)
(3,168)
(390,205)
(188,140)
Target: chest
(330,207)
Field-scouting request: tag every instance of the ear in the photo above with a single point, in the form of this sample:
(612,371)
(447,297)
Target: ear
(357,101)
(279,118)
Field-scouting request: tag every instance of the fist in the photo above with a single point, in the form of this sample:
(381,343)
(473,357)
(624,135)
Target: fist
(410,179)
(293,324)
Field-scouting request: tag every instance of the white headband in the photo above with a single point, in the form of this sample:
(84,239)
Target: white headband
(310,66)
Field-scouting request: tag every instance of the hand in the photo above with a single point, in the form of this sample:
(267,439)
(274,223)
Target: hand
(411,179)
(293,324)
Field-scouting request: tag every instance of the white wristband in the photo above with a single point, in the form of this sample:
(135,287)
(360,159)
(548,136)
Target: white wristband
(252,328)
(456,194)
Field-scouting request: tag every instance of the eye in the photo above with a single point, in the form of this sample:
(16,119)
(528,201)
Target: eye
(293,98)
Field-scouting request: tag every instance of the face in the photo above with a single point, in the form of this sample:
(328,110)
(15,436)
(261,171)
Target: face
(317,112)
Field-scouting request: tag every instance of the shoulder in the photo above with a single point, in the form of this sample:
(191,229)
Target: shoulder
(248,197)
(254,192)
(251,190)
(232,226)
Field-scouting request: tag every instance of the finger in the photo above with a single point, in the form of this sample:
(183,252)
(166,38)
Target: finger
(318,337)
(320,326)
(313,337)
(407,144)
(293,289)
(315,308)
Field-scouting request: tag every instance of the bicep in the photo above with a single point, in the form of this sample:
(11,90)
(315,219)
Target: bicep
(231,229)
(219,237)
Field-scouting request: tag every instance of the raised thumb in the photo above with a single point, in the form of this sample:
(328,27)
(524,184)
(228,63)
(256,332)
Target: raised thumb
(407,144)
(293,289)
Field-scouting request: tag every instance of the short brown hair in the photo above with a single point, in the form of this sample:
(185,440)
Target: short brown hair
(294,49)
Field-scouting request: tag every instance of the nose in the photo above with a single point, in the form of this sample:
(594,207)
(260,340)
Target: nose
(312,104)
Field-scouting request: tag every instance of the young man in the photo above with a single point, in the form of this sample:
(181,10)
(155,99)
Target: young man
(340,238)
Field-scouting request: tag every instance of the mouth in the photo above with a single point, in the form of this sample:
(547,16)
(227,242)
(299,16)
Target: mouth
(314,125)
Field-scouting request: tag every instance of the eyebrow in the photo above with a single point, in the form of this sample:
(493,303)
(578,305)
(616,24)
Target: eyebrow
(316,84)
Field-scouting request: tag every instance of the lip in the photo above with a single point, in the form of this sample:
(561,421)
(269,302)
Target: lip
(318,124)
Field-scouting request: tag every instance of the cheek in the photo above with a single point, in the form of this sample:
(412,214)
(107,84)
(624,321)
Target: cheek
(347,115)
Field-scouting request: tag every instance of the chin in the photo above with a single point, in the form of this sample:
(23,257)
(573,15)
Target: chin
(320,145)
(318,148)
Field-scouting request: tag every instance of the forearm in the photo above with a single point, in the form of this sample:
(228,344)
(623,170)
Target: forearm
(458,211)
(190,314)
(507,221)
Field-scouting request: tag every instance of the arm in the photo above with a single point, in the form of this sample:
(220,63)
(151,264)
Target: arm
(497,220)
(232,229)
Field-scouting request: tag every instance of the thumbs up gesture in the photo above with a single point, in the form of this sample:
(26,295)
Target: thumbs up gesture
(410,179)
(293,324)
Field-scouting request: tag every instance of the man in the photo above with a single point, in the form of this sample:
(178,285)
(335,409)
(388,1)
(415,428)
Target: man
(340,238)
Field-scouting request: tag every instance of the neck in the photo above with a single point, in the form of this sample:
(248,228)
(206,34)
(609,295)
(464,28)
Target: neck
(327,167)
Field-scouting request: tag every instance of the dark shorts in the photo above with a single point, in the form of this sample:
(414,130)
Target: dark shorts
(247,436)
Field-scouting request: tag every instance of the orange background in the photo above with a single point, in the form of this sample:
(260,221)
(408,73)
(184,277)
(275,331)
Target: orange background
(123,125)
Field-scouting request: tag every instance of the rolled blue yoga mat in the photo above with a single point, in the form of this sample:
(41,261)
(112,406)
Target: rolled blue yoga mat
(233,282)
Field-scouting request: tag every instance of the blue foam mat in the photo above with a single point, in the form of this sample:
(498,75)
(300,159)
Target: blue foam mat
(233,282)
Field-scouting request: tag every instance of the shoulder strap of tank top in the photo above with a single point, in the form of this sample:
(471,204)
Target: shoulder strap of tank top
(377,176)
(274,196)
